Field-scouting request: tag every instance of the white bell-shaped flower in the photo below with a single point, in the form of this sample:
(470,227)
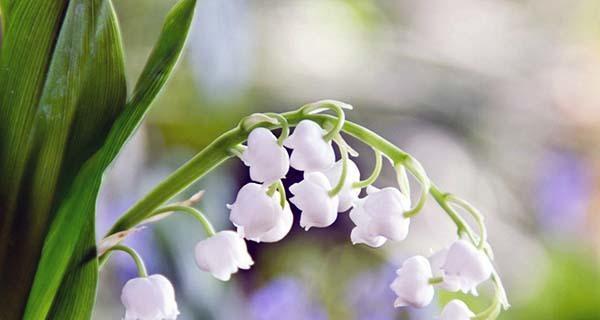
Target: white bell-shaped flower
(456,310)
(283,226)
(347,195)
(268,161)
(437,261)
(149,298)
(223,254)
(465,267)
(254,213)
(412,283)
(380,216)
(310,151)
(312,198)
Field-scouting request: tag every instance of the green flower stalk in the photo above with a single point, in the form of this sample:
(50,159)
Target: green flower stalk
(318,198)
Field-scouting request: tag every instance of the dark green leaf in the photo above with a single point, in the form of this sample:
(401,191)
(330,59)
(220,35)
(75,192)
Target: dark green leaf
(65,284)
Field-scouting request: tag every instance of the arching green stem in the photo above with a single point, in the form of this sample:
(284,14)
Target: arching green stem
(285,127)
(195,213)
(337,107)
(402,179)
(340,185)
(417,171)
(237,150)
(493,310)
(139,263)
(374,175)
(476,215)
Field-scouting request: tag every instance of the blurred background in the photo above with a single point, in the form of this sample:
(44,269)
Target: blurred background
(499,100)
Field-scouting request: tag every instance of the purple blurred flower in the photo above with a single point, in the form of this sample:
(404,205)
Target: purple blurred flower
(563,191)
(285,298)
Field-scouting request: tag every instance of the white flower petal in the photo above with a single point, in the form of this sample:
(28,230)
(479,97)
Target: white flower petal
(412,283)
(282,228)
(149,298)
(310,151)
(268,161)
(347,195)
(254,212)
(223,254)
(380,214)
(312,198)
(456,310)
(465,267)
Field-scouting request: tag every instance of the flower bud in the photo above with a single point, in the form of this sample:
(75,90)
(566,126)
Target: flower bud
(149,298)
(465,267)
(412,283)
(268,161)
(348,194)
(310,151)
(456,310)
(254,213)
(380,216)
(312,198)
(222,254)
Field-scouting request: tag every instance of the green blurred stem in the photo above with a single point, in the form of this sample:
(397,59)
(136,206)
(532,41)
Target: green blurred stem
(436,280)
(331,105)
(272,188)
(208,228)
(285,127)
(282,195)
(402,179)
(340,185)
(476,215)
(139,263)
(237,150)
(376,171)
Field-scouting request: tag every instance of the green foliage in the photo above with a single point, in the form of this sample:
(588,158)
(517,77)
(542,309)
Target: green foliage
(63,120)
(571,289)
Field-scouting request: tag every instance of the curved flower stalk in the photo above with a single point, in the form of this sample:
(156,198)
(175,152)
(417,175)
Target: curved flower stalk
(261,211)
(147,297)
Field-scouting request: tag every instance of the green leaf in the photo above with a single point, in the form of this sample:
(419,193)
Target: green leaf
(30,32)
(65,283)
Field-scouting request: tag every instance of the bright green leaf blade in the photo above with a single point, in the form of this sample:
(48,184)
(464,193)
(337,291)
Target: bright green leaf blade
(69,266)
(46,118)
(24,58)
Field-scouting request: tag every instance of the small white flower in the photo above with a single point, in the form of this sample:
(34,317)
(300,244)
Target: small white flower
(465,267)
(437,261)
(283,226)
(310,151)
(149,298)
(380,216)
(412,283)
(254,213)
(312,198)
(222,254)
(348,194)
(268,161)
(456,310)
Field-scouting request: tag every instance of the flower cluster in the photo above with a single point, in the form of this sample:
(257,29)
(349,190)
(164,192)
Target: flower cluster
(261,213)
(461,267)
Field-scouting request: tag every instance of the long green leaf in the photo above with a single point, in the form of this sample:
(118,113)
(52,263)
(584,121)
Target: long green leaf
(65,283)
(30,29)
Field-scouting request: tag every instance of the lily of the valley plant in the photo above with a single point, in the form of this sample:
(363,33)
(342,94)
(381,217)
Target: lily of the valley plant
(261,211)
(65,116)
